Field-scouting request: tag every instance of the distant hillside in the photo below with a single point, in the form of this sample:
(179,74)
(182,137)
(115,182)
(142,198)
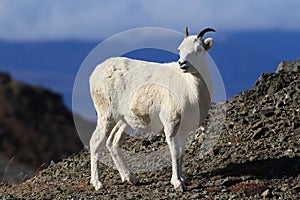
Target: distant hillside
(35,125)
(257,156)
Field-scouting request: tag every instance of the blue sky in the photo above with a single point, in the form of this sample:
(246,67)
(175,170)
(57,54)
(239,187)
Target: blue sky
(45,42)
(97,20)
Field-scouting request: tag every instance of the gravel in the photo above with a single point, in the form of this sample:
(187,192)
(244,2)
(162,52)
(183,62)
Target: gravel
(256,156)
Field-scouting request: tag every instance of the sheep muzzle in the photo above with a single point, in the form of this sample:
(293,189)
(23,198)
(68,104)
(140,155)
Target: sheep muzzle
(184,65)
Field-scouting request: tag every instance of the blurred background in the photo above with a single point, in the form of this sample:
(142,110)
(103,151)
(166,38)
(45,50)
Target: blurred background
(43,43)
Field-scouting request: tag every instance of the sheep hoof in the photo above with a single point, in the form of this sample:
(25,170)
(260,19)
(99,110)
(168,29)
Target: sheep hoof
(178,184)
(181,188)
(133,180)
(97,184)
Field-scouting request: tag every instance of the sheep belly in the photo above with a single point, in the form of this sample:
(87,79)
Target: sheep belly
(151,104)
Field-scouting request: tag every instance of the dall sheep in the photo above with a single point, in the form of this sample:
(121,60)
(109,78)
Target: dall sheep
(148,96)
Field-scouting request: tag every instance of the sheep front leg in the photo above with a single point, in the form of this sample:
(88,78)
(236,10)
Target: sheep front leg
(181,138)
(176,179)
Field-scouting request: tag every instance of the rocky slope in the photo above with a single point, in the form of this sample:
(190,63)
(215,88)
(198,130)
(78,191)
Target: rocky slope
(257,155)
(35,128)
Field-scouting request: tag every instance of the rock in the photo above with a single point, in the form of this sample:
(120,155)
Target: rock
(266,194)
(172,195)
(195,196)
(259,133)
(291,66)
(268,110)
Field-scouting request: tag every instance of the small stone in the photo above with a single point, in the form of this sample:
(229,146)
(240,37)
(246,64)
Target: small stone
(195,196)
(266,194)
(251,158)
(268,111)
(52,163)
(259,133)
(224,190)
(172,195)
(284,188)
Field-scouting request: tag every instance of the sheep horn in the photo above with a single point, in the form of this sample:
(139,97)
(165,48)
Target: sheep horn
(186,32)
(201,34)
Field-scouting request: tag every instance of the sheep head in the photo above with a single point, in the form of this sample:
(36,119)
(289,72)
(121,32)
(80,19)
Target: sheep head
(192,50)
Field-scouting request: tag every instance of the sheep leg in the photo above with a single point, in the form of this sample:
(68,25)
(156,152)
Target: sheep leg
(97,141)
(179,164)
(176,162)
(113,144)
(181,138)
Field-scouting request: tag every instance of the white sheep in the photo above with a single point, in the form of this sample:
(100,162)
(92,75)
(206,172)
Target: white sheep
(150,97)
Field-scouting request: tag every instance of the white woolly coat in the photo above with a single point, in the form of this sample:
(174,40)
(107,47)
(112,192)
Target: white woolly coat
(147,94)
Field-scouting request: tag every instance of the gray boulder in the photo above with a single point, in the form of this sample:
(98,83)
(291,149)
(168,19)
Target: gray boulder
(288,66)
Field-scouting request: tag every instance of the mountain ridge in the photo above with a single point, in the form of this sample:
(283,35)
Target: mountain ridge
(35,125)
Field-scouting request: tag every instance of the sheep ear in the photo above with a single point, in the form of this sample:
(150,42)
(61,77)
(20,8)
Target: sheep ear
(208,43)
(186,34)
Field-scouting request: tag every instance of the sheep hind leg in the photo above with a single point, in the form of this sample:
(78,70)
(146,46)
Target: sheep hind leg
(97,141)
(113,144)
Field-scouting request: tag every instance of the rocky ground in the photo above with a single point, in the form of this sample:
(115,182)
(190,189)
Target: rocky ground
(257,155)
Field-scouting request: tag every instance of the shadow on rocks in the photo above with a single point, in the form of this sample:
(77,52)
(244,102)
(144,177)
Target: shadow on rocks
(263,169)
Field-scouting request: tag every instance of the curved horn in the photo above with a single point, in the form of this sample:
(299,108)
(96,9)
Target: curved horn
(186,32)
(201,34)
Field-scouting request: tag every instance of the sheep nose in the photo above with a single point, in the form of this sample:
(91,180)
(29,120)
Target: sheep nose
(182,63)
